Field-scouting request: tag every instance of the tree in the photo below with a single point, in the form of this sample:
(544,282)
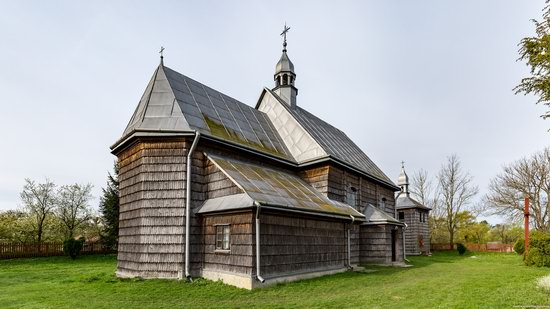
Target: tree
(72,206)
(506,233)
(526,177)
(16,226)
(456,191)
(39,201)
(423,190)
(109,208)
(536,52)
(473,232)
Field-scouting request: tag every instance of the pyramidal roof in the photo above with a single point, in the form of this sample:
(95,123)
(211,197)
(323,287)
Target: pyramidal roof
(175,103)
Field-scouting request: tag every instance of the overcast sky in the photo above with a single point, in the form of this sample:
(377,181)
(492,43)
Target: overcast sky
(406,80)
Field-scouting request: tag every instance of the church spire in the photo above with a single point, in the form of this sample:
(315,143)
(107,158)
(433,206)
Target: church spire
(285,76)
(403,180)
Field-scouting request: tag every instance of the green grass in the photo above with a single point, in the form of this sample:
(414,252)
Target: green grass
(443,280)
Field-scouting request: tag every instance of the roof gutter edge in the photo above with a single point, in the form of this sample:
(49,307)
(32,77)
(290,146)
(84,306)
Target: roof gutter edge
(315,213)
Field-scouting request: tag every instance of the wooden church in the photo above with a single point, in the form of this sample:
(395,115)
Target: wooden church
(212,187)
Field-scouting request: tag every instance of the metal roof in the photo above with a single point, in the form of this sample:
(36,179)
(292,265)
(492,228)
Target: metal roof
(375,216)
(332,141)
(404,201)
(173,101)
(276,188)
(284,64)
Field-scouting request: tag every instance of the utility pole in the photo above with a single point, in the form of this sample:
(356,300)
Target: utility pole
(526,215)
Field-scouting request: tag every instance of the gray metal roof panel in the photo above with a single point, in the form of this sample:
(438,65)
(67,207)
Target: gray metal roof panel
(225,203)
(279,188)
(404,201)
(173,101)
(374,215)
(333,141)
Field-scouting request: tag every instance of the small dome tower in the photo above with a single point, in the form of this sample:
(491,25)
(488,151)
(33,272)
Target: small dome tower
(403,180)
(285,77)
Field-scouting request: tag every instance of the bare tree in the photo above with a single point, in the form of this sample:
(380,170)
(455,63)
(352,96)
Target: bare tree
(38,200)
(72,206)
(423,190)
(526,177)
(456,191)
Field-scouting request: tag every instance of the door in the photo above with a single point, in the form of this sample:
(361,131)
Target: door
(393,245)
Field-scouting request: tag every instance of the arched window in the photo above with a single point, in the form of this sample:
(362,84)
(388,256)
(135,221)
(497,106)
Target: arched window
(383,203)
(285,79)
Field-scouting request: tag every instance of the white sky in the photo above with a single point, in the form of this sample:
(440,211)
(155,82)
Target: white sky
(406,80)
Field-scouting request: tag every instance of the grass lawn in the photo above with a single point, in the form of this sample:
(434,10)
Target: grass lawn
(443,280)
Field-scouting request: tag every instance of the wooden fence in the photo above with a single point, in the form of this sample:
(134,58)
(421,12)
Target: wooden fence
(25,250)
(476,247)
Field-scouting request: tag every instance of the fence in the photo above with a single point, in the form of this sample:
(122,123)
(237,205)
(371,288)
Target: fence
(24,250)
(476,247)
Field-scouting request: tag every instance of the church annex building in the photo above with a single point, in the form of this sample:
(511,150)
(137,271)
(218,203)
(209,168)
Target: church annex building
(215,188)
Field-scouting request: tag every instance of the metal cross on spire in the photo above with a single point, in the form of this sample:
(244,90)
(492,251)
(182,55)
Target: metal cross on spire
(161,52)
(402,164)
(285,30)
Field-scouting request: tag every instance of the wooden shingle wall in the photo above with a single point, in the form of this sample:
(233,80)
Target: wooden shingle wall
(217,183)
(317,178)
(415,228)
(241,256)
(295,244)
(152,199)
(376,244)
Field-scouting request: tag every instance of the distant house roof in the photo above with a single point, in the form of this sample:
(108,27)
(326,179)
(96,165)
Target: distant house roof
(404,201)
(173,102)
(375,216)
(275,188)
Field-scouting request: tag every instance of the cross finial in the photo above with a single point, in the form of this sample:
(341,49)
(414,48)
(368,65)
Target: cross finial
(161,52)
(285,30)
(403,164)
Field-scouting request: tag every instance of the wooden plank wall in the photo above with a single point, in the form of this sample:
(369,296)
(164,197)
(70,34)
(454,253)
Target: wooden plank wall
(376,244)
(333,182)
(414,229)
(241,257)
(152,205)
(317,178)
(295,244)
(217,183)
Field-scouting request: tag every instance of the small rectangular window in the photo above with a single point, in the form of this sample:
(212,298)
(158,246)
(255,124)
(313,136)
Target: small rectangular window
(223,236)
(351,196)
(401,216)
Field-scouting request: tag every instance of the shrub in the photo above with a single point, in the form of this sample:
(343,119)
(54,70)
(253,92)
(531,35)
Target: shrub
(519,246)
(461,248)
(72,247)
(539,249)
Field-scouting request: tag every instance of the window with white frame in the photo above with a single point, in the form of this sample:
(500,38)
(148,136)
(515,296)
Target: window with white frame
(223,235)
